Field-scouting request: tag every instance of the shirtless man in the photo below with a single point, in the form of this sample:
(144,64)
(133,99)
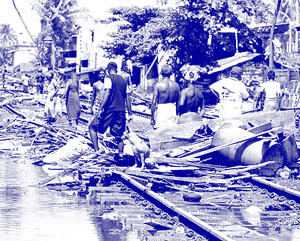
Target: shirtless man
(191,99)
(98,92)
(165,99)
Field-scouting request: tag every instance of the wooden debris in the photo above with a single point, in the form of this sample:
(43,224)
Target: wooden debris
(58,175)
(290,150)
(174,179)
(198,153)
(260,128)
(158,226)
(235,172)
(191,197)
(179,152)
(179,161)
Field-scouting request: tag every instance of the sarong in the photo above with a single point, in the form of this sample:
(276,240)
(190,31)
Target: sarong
(270,104)
(96,106)
(229,109)
(53,108)
(165,115)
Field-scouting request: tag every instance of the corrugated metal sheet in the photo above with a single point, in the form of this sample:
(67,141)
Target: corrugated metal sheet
(238,58)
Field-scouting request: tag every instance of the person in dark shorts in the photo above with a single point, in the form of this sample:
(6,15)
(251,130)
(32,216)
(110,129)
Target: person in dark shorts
(112,109)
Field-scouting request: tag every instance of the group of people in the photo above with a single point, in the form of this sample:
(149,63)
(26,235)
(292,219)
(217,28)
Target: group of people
(232,92)
(111,92)
(169,101)
(110,100)
(54,81)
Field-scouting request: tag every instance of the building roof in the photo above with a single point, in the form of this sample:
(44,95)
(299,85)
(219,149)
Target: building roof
(229,62)
(265,29)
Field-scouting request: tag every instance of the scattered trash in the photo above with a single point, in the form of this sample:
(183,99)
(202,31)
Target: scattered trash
(191,196)
(284,173)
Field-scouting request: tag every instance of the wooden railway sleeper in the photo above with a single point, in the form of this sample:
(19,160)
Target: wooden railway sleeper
(174,221)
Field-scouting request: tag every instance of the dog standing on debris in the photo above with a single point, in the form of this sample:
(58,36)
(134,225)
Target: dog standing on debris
(140,149)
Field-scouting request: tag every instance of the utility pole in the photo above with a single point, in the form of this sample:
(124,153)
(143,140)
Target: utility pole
(271,57)
(296,30)
(20,16)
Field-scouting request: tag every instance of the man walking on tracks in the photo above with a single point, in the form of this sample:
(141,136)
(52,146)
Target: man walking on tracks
(231,93)
(112,109)
(165,99)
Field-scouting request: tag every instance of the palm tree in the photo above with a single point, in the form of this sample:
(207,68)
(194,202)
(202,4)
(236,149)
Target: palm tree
(58,23)
(7,36)
(8,40)
(6,57)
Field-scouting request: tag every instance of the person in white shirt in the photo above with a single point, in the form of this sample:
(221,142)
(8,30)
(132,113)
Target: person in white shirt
(271,93)
(25,79)
(231,92)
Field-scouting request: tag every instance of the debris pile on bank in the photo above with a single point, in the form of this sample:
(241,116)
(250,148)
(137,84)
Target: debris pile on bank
(207,151)
(206,154)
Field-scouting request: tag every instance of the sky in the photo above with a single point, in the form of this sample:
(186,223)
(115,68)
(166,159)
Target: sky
(8,15)
(100,7)
(97,8)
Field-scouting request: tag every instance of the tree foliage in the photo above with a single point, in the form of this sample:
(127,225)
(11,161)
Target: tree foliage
(57,18)
(8,40)
(192,28)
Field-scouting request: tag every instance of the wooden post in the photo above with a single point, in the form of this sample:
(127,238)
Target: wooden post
(271,57)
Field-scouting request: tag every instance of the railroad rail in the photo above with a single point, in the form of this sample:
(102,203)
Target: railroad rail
(246,208)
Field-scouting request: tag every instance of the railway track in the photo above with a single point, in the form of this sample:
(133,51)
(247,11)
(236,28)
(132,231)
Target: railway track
(244,211)
(259,210)
(247,208)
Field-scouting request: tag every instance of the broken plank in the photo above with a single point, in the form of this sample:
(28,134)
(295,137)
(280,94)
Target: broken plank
(236,172)
(178,161)
(157,137)
(217,148)
(260,128)
(284,119)
(162,176)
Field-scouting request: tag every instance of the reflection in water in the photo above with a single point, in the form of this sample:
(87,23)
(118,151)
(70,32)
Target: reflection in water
(28,212)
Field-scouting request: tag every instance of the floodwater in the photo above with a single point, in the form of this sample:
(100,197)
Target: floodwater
(29,212)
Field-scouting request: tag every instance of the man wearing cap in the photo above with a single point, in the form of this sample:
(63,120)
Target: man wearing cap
(98,92)
(112,109)
(165,99)
(191,98)
(231,92)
